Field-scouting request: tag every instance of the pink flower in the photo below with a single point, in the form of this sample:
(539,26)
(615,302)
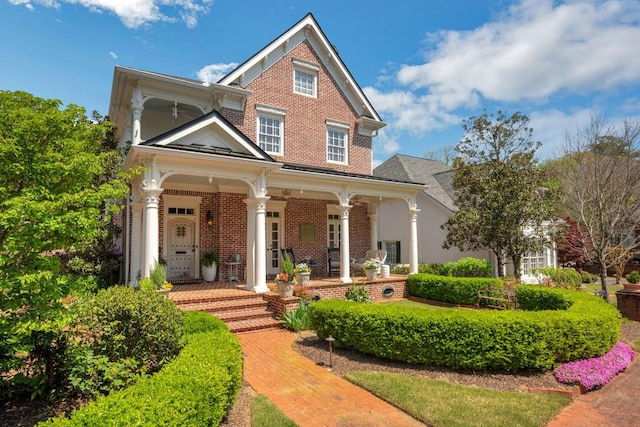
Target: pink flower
(596,372)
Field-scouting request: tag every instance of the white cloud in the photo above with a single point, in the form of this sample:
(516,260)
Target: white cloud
(135,13)
(213,72)
(552,126)
(113,55)
(537,49)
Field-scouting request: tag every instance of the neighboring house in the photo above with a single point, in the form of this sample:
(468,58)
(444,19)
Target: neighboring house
(276,154)
(436,205)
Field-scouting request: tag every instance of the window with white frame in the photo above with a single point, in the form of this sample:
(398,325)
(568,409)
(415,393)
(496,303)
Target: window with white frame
(305,78)
(393,252)
(531,261)
(333,231)
(337,141)
(271,129)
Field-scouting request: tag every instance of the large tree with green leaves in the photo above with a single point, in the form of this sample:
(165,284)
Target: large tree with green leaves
(501,204)
(57,194)
(600,189)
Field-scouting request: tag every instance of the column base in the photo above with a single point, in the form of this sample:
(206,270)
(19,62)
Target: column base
(261,289)
(346,280)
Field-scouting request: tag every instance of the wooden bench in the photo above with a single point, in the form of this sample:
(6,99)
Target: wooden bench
(498,298)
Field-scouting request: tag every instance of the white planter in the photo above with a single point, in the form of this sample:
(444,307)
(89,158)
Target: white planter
(209,273)
(371,274)
(303,278)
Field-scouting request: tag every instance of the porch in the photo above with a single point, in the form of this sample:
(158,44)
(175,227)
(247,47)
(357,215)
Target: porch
(245,311)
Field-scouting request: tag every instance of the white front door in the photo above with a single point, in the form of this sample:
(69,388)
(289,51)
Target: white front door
(182,248)
(273,227)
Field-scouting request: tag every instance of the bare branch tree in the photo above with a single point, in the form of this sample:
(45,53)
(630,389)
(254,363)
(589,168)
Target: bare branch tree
(601,189)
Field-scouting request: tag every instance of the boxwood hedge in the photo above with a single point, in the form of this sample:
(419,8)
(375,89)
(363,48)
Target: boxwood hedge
(196,389)
(522,340)
(455,290)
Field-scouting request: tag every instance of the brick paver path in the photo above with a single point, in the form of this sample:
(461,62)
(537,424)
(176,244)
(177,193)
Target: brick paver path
(617,404)
(307,393)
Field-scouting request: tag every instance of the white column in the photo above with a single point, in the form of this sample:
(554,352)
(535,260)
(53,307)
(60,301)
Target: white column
(373,224)
(251,244)
(344,245)
(135,247)
(260,271)
(151,229)
(413,240)
(137,106)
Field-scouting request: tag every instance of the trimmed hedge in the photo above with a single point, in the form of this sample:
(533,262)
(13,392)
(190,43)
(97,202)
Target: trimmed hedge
(455,290)
(196,389)
(479,340)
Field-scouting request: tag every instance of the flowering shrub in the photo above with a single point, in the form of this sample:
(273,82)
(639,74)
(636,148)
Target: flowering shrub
(284,277)
(303,267)
(596,372)
(371,264)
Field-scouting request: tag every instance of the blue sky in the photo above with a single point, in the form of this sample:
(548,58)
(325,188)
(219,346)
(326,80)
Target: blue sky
(425,65)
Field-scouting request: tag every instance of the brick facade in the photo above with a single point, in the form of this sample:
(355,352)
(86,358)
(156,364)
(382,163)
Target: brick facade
(305,130)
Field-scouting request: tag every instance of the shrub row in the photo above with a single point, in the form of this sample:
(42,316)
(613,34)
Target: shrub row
(197,388)
(478,340)
(455,290)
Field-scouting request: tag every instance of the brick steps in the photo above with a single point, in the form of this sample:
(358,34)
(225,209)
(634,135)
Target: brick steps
(240,313)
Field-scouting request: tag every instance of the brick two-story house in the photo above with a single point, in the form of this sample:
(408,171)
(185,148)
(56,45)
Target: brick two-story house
(278,153)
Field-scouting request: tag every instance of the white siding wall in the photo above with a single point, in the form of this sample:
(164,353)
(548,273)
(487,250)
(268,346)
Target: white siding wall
(394,226)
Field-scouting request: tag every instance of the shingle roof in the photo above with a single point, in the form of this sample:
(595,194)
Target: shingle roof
(436,175)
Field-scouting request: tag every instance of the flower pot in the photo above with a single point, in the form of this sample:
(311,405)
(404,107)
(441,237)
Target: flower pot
(285,289)
(631,287)
(209,272)
(303,278)
(372,274)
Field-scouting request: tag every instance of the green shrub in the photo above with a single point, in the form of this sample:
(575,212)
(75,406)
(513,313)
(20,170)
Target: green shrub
(633,277)
(195,389)
(564,278)
(455,290)
(471,267)
(479,340)
(357,293)
(119,334)
(434,268)
(199,321)
(587,277)
(297,320)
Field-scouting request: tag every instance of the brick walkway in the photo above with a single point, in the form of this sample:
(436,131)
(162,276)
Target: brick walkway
(307,393)
(617,404)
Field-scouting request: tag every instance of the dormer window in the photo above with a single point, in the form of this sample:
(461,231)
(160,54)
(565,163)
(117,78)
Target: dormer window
(305,78)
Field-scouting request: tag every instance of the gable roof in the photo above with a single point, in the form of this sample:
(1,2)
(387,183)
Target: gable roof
(437,176)
(212,134)
(305,29)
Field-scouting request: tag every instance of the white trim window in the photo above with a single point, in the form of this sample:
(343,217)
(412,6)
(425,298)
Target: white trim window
(333,230)
(270,128)
(532,260)
(337,142)
(305,78)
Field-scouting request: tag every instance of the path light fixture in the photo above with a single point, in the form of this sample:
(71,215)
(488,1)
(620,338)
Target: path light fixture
(330,340)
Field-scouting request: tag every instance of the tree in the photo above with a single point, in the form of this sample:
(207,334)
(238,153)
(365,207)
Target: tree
(57,193)
(600,187)
(574,245)
(501,205)
(446,154)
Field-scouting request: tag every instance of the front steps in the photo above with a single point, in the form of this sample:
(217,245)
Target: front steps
(245,313)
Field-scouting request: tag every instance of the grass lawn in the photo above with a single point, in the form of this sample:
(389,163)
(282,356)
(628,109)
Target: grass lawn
(440,403)
(265,413)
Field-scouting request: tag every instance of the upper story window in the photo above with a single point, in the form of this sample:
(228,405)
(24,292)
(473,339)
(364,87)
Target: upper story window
(271,129)
(305,78)
(337,141)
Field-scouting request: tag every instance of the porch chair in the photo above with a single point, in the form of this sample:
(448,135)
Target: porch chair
(378,254)
(333,260)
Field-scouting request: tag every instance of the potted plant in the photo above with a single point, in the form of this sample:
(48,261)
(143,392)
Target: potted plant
(157,280)
(209,262)
(285,280)
(303,273)
(632,281)
(370,268)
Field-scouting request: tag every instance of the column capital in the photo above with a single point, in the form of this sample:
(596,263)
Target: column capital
(259,202)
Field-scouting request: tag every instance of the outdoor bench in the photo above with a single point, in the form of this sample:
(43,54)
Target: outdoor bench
(498,298)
